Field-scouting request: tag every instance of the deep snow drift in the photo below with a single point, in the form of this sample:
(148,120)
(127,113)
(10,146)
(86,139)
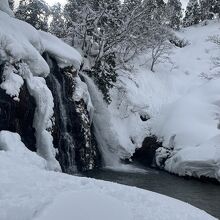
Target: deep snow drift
(29,192)
(181,100)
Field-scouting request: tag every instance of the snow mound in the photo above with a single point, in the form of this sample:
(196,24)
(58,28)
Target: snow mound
(189,127)
(29,192)
(12,149)
(98,207)
(4,6)
(20,41)
(61,52)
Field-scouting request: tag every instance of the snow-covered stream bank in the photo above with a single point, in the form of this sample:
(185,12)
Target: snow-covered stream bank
(203,195)
(179,103)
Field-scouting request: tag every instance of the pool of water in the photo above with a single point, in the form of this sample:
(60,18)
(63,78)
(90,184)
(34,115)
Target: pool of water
(204,195)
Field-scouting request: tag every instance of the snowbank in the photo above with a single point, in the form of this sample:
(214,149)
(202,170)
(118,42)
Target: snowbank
(4,6)
(176,103)
(29,192)
(43,116)
(13,150)
(98,207)
(20,41)
(61,52)
(189,129)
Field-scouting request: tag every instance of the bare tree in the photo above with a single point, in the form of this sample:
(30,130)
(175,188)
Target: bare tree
(159,46)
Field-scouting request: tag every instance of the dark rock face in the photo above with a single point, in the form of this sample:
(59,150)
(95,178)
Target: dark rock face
(72,132)
(18,116)
(146,154)
(72,129)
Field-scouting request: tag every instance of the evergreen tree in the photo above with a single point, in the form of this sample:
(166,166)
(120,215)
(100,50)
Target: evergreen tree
(130,5)
(57,25)
(216,7)
(92,27)
(35,12)
(154,10)
(174,13)
(109,37)
(207,9)
(192,14)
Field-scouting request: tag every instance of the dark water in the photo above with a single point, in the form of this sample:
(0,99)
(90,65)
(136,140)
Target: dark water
(204,195)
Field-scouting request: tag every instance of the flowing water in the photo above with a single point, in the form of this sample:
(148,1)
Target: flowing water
(203,195)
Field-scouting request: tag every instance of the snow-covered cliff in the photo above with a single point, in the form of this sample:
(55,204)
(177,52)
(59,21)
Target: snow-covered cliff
(43,68)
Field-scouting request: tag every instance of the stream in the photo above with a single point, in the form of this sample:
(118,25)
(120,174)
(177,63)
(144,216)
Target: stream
(203,195)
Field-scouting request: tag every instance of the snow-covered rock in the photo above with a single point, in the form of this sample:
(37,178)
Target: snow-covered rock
(12,82)
(21,50)
(61,52)
(20,41)
(28,192)
(189,128)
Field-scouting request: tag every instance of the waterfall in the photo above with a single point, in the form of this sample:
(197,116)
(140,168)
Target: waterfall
(72,132)
(105,136)
(66,142)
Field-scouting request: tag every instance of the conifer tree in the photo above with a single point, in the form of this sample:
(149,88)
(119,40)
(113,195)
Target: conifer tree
(207,9)
(174,13)
(35,12)
(57,25)
(130,5)
(192,14)
(216,7)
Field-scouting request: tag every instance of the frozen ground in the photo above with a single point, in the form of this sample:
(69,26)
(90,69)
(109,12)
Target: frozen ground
(29,192)
(181,98)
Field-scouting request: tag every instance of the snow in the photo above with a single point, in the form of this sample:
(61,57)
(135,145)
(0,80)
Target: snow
(43,116)
(12,149)
(29,192)
(190,126)
(12,82)
(20,41)
(22,46)
(4,6)
(81,92)
(61,52)
(182,101)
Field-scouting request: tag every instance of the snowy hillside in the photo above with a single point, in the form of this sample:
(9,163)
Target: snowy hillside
(181,98)
(29,192)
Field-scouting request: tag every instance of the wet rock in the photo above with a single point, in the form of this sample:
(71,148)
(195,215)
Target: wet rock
(73,132)
(146,154)
(18,116)
(72,127)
